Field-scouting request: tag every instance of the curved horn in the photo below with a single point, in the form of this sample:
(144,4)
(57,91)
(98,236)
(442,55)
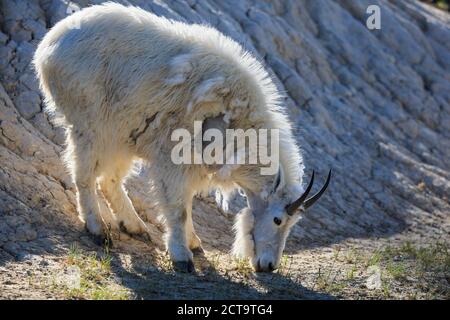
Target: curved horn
(308,203)
(290,209)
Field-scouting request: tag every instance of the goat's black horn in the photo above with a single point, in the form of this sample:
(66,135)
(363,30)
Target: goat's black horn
(308,203)
(290,209)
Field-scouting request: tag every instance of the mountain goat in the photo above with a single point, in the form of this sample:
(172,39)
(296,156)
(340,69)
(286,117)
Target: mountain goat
(121,80)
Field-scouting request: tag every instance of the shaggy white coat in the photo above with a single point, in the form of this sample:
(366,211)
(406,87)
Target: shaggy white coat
(124,80)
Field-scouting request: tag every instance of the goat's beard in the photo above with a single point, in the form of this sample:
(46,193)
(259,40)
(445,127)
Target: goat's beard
(244,244)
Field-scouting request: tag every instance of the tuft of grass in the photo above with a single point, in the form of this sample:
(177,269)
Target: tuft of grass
(336,253)
(397,270)
(374,259)
(386,289)
(351,257)
(432,257)
(243,267)
(327,281)
(285,267)
(429,267)
(351,273)
(215,261)
(164,263)
(421,271)
(95,277)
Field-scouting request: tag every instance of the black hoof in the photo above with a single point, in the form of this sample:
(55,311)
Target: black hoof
(102,240)
(123,229)
(184,266)
(144,237)
(198,251)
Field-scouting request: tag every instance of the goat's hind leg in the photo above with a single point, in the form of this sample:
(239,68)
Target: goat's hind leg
(111,184)
(85,172)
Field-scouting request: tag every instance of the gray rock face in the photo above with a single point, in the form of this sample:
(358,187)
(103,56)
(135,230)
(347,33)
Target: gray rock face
(372,105)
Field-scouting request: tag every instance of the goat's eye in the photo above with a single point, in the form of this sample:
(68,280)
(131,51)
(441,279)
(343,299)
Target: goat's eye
(277,221)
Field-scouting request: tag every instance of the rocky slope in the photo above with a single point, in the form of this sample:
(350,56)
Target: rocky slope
(372,105)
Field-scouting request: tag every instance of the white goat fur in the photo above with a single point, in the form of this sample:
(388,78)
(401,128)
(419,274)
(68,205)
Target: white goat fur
(124,80)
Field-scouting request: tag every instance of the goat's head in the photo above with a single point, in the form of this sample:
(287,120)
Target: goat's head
(262,227)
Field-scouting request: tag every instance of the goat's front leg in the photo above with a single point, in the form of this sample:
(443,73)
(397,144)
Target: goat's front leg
(176,241)
(175,196)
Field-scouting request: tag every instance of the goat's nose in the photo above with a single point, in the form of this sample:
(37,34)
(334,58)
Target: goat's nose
(258,266)
(264,267)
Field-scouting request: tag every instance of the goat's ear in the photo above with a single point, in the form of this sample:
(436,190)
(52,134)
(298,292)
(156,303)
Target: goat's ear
(255,202)
(209,90)
(279,181)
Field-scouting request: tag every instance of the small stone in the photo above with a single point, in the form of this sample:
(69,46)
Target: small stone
(6,54)
(12,248)
(28,104)
(25,233)
(43,263)
(373,282)
(3,38)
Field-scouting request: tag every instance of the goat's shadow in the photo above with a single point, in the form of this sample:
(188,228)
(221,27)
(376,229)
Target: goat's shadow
(146,281)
